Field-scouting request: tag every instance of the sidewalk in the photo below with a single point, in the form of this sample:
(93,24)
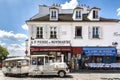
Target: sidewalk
(94,71)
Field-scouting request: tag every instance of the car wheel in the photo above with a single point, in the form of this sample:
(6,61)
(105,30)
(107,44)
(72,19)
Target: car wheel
(61,74)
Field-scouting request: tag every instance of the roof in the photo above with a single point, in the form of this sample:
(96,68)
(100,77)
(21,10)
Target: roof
(78,7)
(17,58)
(53,8)
(95,8)
(39,55)
(68,18)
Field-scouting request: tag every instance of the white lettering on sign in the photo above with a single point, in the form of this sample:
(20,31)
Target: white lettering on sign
(50,42)
(116,34)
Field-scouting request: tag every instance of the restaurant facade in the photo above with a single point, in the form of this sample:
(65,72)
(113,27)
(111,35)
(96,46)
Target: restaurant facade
(80,35)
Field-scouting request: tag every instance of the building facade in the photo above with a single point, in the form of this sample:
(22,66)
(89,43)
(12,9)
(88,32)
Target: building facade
(78,34)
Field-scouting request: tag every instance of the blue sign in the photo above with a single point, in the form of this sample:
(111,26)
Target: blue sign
(100,51)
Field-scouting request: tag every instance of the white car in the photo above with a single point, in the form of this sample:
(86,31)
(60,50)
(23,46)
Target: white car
(16,66)
(45,65)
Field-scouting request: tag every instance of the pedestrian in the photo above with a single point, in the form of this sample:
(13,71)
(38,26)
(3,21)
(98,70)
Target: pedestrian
(72,63)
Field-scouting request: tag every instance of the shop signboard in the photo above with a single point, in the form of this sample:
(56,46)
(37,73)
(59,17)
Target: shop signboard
(104,65)
(50,43)
(47,48)
(101,51)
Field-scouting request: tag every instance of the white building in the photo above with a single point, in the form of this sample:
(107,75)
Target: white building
(73,32)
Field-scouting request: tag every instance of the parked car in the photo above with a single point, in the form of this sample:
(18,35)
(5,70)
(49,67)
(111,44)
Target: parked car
(45,65)
(15,66)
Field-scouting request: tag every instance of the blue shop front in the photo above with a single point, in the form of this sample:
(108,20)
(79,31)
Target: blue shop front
(99,54)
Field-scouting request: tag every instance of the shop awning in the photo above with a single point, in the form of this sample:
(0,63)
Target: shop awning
(50,48)
(100,51)
(77,50)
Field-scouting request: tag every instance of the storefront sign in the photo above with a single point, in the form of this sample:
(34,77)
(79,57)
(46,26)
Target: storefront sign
(50,43)
(100,51)
(104,65)
(50,48)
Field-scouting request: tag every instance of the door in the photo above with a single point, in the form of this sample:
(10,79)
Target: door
(40,63)
(48,66)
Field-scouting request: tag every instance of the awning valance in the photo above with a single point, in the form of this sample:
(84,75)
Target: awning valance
(50,48)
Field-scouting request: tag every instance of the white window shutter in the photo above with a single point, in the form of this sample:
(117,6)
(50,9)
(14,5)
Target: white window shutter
(90,32)
(44,32)
(58,32)
(31,32)
(48,32)
(100,32)
(74,30)
(34,31)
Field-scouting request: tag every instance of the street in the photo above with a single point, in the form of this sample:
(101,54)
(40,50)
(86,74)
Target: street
(70,76)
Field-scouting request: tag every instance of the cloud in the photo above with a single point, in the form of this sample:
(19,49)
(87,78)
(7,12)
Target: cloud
(70,5)
(118,10)
(25,27)
(2,44)
(16,49)
(11,36)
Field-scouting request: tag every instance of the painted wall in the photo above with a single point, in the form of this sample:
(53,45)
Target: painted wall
(66,31)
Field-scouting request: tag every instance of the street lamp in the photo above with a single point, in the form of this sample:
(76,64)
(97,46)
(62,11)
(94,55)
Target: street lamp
(114,44)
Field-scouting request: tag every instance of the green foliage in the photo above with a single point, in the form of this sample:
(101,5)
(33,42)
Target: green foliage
(3,52)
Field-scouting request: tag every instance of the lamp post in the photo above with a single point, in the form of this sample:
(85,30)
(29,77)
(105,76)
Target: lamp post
(114,44)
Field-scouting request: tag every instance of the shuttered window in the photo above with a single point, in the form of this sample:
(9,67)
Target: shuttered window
(78,32)
(39,32)
(53,32)
(95,32)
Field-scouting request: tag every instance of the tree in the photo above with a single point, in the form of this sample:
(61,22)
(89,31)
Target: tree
(3,53)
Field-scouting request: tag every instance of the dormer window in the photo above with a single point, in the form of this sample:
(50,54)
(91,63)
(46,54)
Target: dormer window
(95,14)
(53,14)
(78,14)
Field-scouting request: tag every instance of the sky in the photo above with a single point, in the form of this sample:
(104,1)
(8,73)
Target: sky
(14,13)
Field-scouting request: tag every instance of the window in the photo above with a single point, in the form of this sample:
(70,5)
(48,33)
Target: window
(39,32)
(53,32)
(107,59)
(78,31)
(96,59)
(53,14)
(78,14)
(40,61)
(34,61)
(46,59)
(95,14)
(95,32)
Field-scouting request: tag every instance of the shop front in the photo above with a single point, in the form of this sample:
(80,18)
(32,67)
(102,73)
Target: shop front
(57,52)
(72,55)
(118,56)
(105,55)
(76,58)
